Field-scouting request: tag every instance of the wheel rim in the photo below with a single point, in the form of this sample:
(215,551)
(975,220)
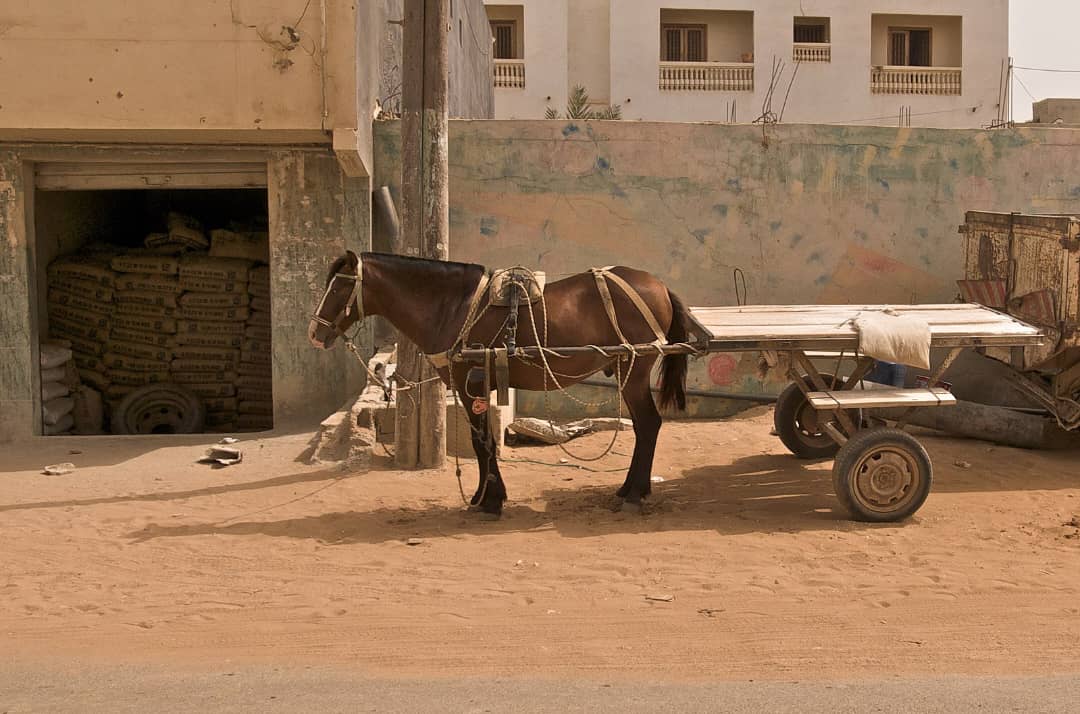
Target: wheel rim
(886,479)
(809,428)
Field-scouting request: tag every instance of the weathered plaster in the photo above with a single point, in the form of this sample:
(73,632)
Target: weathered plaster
(16,346)
(823,214)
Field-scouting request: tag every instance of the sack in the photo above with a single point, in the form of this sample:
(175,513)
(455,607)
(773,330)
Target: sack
(89,411)
(196,265)
(53,390)
(78,302)
(85,317)
(54,374)
(214,366)
(184,230)
(81,269)
(137,379)
(213,300)
(249,246)
(147,324)
(116,392)
(87,347)
(204,377)
(261,304)
(257,332)
(222,341)
(72,329)
(148,282)
(211,285)
(901,339)
(209,354)
(150,298)
(218,405)
(219,314)
(51,356)
(88,361)
(209,327)
(264,384)
(253,395)
(262,408)
(141,351)
(95,378)
(61,427)
(259,289)
(221,421)
(135,262)
(54,410)
(250,369)
(254,422)
(86,289)
(251,345)
(155,311)
(142,337)
(135,364)
(262,358)
(210,391)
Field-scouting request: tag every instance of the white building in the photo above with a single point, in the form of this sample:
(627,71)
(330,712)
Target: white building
(932,63)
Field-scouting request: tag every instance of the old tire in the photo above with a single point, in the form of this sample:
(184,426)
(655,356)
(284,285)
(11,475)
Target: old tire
(159,409)
(796,424)
(882,475)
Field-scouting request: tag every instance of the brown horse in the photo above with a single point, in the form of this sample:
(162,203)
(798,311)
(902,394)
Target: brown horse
(429,301)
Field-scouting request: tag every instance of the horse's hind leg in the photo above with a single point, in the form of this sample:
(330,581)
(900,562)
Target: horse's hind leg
(647,423)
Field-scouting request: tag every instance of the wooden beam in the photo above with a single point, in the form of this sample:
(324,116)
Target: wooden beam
(425,219)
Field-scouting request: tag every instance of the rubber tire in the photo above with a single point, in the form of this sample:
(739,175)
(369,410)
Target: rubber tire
(847,459)
(785,420)
(134,414)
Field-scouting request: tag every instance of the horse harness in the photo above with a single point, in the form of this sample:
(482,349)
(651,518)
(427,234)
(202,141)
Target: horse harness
(355,295)
(513,287)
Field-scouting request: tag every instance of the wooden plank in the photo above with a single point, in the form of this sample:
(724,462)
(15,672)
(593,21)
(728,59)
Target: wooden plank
(879,398)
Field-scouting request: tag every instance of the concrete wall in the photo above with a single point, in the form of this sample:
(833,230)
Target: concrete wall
(833,92)
(195,65)
(822,215)
(1049,111)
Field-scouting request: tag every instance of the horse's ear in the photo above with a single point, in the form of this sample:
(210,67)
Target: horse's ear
(354,259)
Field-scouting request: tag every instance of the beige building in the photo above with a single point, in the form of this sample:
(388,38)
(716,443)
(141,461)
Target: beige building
(935,63)
(247,112)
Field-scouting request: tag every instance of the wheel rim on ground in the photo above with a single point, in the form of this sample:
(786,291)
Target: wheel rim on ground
(808,426)
(886,478)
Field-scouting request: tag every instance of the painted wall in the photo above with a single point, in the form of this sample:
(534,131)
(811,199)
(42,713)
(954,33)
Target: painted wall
(588,48)
(823,214)
(835,92)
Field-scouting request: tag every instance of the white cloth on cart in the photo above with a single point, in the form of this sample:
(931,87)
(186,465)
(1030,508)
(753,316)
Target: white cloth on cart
(890,337)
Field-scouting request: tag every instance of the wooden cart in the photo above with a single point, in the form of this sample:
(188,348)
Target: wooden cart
(880,472)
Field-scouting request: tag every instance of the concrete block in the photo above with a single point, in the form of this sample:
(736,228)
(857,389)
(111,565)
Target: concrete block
(458,433)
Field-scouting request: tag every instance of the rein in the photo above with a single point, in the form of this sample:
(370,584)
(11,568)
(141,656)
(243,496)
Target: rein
(355,295)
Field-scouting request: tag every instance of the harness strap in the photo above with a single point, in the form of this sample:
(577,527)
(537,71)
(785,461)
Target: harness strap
(602,275)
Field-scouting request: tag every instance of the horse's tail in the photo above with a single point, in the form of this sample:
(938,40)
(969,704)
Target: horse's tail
(673,367)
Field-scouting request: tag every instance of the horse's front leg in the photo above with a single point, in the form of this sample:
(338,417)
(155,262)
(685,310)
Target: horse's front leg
(490,491)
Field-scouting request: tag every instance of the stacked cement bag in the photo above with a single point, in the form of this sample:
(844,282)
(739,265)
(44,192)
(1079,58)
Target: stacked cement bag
(80,306)
(254,386)
(58,377)
(143,326)
(213,312)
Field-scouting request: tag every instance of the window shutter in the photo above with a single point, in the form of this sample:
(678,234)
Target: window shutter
(695,45)
(898,55)
(673,45)
(504,40)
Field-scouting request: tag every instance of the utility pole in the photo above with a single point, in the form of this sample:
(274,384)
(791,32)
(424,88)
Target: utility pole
(425,215)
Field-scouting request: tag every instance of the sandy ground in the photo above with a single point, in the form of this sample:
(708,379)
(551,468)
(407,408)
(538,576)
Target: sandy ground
(143,557)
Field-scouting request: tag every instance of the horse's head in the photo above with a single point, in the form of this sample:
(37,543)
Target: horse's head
(341,306)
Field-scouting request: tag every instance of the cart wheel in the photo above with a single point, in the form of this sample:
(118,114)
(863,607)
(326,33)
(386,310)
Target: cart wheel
(882,475)
(798,427)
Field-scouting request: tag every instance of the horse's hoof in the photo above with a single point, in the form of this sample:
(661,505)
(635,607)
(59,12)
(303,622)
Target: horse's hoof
(631,507)
(623,490)
(474,508)
(488,517)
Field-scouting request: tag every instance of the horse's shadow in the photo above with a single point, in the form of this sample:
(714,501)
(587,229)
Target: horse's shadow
(762,493)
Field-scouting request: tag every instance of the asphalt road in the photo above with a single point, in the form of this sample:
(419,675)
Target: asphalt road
(281,689)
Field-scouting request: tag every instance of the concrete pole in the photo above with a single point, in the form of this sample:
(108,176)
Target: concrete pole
(425,214)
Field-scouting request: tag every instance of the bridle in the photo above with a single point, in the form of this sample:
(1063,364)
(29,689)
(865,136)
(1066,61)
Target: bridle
(356,294)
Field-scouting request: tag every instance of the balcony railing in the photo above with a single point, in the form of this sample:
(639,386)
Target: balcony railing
(510,73)
(916,80)
(811,52)
(707,76)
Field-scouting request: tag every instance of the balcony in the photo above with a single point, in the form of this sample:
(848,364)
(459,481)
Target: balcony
(509,74)
(941,81)
(811,52)
(707,76)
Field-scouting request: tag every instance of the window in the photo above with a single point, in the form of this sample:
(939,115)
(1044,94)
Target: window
(505,34)
(812,30)
(909,47)
(683,43)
